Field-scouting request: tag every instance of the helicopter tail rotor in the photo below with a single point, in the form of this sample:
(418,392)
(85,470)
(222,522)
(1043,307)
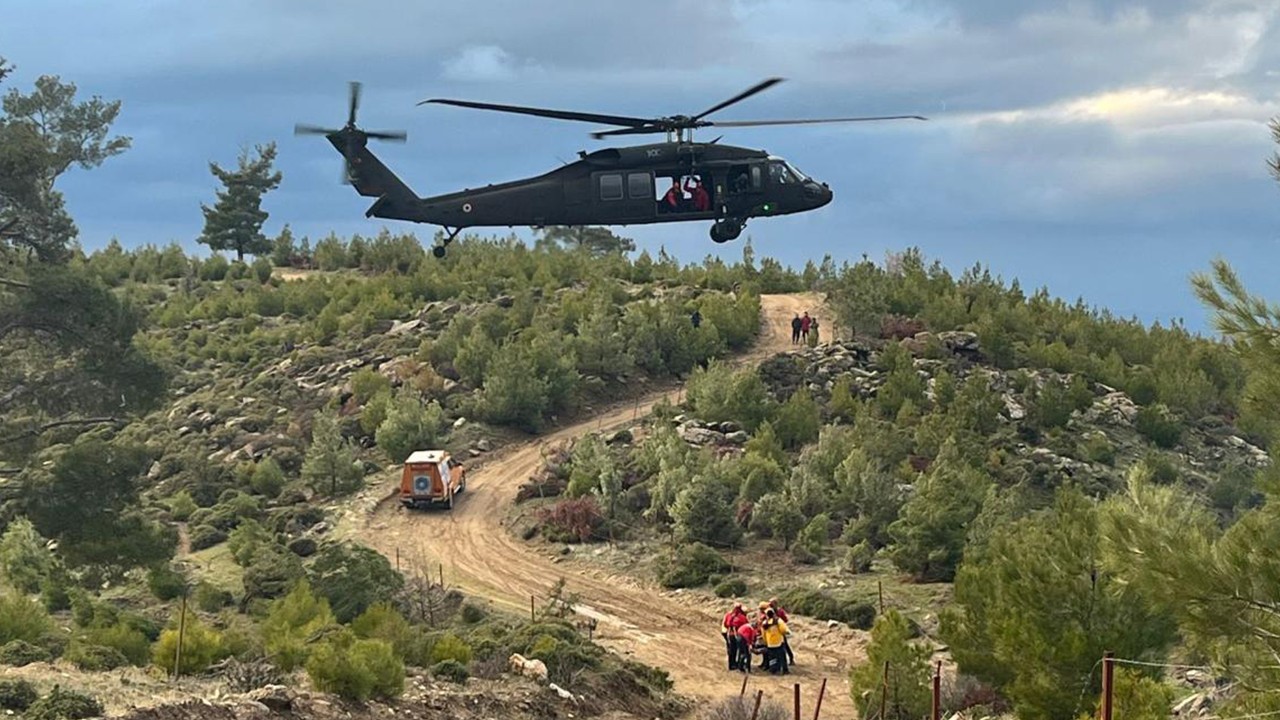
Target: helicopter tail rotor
(349,139)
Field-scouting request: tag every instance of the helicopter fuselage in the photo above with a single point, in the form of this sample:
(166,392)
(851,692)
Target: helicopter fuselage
(612,186)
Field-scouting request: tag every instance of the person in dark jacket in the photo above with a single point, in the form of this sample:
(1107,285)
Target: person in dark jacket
(795,330)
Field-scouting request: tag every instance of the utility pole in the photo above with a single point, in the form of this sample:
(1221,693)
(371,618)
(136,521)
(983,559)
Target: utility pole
(937,691)
(884,690)
(182,632)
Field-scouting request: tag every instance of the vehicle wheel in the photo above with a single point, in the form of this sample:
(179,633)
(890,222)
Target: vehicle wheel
(725,230)
(438,251)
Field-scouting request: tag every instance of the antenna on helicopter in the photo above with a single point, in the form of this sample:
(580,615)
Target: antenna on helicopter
(353,136)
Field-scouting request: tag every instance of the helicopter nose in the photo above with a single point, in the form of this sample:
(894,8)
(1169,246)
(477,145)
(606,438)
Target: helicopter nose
(820,193)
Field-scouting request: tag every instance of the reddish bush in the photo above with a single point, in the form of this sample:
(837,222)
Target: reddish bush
(576,520)
(897,327)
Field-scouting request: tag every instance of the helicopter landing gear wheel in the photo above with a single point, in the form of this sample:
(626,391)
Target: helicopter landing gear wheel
(439,250)
(725,230)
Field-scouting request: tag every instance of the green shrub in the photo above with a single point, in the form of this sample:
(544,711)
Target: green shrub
(166,583)
(472,613)
(16,695)
(130,641)
(62,704)
(731,587)
(382,622)
(1098,448)
(206,536)
(857,559)
(200,646)
(1159,425)
(1162,469)
(825,606)
(292,620)
(95,658)
(262,269)
(356,669)
(451,647)
(564,656)
(181,506)
(268,479)
(22,618)
(211,598)
(20,652)
(691,565)
(450,670)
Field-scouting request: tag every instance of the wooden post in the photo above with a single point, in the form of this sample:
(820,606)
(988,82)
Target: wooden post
(1108,667)
(182,631)
(884,689)
(442,576)
(745,678)
(821,691)
(756,710)
(397,558)
(937,691)
(880,589)
(797,694)
(532,617)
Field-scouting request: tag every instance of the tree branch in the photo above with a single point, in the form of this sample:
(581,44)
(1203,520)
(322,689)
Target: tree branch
(40,430)
(14,283)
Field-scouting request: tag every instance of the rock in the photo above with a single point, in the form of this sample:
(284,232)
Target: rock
(738,438)
(302,547)
(1113,408)
(1013,409)
(960,341)
(833,624)
(914,346)
(697,435)
(728,427)
(504,301)
(520,665)
(399,327)
(472,452)
(484,445)
(276,698)
(564,694)
(154,472)
(619,437)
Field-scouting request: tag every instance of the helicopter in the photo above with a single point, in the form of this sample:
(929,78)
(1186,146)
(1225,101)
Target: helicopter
(727,185)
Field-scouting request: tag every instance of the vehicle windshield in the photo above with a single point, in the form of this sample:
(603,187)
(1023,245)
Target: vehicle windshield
(797,173)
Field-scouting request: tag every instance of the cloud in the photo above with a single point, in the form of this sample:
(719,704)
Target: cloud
(480,63)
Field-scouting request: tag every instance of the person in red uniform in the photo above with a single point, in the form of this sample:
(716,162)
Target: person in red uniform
(701,199)
(747,637)
(734,619)
(674,198)
(804,332)
(782,615)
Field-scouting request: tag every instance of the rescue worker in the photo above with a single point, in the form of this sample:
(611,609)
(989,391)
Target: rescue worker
(701,199)
(804,327)
(696,319)
(782,615)
(795,330)
(774,631)
(748,636)
(674,198)
(813,332)
(734,619)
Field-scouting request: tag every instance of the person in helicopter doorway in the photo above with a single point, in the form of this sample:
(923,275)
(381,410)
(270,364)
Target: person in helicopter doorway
(701,198)
(674,199)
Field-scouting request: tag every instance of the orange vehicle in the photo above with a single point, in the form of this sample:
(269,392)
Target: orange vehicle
(431,477)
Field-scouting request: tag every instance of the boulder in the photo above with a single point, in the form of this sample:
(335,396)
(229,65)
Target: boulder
(276,698)
(1012,409)
(739,437)
(695,435)
(404,327)
(520,665)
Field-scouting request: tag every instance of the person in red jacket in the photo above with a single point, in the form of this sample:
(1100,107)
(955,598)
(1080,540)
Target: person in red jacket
(734,619)
(747,636)
(782,615)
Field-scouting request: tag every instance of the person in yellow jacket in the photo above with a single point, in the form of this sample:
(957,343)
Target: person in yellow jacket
(774,631)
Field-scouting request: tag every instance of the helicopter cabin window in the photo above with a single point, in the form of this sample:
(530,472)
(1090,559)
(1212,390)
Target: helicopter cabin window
(684,194)
(639,186)
(744,178)
(780,174)
(611,186)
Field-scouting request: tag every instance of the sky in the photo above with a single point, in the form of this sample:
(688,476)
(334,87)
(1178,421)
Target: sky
(1104,150)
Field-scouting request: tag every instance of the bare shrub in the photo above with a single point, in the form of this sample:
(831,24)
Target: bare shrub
(739,708)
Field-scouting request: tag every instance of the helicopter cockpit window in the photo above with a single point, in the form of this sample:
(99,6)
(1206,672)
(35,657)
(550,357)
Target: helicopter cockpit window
(796,171)
(780,174)
(611,187)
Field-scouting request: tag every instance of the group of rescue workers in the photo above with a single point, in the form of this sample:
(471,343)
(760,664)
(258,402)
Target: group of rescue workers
(765,635)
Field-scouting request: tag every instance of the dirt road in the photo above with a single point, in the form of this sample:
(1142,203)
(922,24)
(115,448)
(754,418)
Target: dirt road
(676,632)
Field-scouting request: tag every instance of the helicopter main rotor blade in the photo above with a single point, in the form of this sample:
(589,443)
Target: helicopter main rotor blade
(759,123)
(541,112)
(395,135)
(646,130)
(758,87)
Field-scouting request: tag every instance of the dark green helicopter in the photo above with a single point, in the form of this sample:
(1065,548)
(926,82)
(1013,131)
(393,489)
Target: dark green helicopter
(674,181)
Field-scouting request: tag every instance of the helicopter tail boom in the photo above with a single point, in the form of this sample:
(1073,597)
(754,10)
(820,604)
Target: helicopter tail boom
(371,178)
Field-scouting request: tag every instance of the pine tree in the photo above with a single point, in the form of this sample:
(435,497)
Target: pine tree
(235,221)
(330,461)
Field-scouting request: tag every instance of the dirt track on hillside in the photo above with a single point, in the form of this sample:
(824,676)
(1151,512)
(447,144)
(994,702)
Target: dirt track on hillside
(674,631)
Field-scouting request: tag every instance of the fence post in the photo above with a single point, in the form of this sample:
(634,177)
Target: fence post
(397,558)
(1108,667)
(880,589)
(745,678)
(756,710)
(797,694)
(821,691)
(532,617)
(937,691)
(441,576)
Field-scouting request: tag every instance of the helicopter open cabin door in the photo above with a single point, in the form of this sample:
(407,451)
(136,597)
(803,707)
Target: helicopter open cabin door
(743,190)
(625,197)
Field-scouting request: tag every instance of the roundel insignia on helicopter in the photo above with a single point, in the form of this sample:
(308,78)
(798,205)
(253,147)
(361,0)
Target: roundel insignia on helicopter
(466,207)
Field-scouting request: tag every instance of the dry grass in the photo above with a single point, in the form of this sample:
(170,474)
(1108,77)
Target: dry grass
(119,690)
